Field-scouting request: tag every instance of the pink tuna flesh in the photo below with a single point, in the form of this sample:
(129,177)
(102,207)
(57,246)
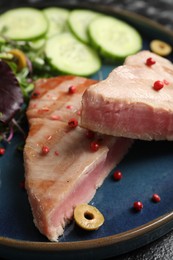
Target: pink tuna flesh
(126,104)
(70,172)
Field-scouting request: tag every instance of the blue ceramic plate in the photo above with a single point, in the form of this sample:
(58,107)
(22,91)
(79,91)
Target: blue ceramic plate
(147,169)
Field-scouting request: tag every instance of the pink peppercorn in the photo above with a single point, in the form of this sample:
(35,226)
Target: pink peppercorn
(156,198)
(150,61)
(94,146)
(117,175)
(71,89)
(73,122)
(158,85)
(45,150)
(138,206)
(69,106)
(2,151)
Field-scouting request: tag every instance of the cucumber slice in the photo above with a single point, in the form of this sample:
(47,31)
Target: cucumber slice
(78,22)
(57,18)
(70,56)
(23,24)
(114,38)
(37,44)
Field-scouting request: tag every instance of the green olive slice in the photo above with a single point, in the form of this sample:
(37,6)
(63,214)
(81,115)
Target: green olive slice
(160,47)
(88,217)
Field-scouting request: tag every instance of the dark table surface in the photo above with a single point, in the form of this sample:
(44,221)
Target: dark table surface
(162,12)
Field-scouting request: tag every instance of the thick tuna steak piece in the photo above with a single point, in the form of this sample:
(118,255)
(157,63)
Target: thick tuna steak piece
(61,168)
(127,104)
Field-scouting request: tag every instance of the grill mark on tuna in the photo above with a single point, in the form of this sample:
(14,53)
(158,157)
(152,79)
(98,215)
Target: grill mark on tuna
(57,183)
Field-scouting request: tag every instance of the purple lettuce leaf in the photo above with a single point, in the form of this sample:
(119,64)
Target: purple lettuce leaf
(11,98)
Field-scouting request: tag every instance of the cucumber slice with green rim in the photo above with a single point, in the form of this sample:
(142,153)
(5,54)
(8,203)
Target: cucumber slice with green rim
(78,22)
(70,56)
(23,24)
(114,38)
(57,18)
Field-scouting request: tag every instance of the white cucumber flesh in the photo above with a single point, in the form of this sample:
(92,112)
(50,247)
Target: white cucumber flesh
(70,56)
(57,18)
(79,21)
(114,38)
(23,23)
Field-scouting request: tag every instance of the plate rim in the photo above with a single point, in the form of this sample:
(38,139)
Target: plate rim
(91,243)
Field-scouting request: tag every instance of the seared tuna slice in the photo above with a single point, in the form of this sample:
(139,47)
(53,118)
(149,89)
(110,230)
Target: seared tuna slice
(131,102)
(62,170)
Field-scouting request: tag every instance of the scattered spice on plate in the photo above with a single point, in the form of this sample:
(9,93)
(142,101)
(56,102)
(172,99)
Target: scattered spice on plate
(94,146)
(156,198)
(138,205)
(150,61)
(117,175)
(71,89)
(73,122)
(158,84)
(2,151)
(45,150)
